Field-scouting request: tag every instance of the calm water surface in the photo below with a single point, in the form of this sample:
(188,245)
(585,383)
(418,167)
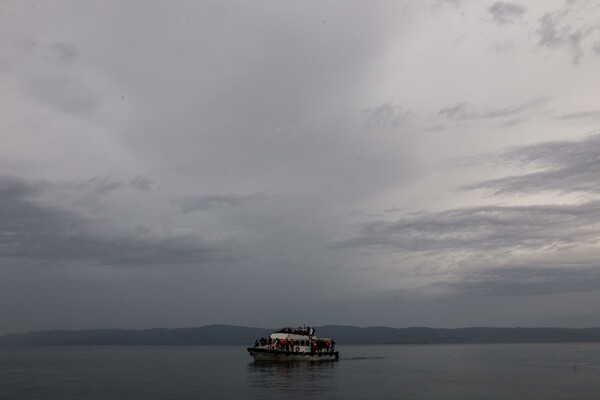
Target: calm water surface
(539,371)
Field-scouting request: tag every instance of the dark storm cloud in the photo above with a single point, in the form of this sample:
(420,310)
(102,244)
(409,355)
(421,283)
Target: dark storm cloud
(386,116)
(518,280)
(568,166)
(11,188)
(93,189)
(506,13)
(485,228)
(204,203)
(99,186)
(32,230)
(221,104)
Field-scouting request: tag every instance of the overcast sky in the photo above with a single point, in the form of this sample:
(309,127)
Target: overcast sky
(269,163)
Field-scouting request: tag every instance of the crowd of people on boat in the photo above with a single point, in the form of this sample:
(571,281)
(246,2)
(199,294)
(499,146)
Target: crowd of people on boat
(316,346)
(301,330)
(323,346)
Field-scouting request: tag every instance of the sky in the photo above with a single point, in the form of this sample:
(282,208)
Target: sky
(268,163)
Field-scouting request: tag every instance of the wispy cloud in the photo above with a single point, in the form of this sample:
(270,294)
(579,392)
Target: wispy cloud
(486,228)
(568,29)
(506,250)
(554,34)
(461,112)
(567,166)
(142,183)
(458,112)
(506,13)
(526,280)
(214,202)
(66,51)
(64,93)
(519,109)
(591,115)
(386,116)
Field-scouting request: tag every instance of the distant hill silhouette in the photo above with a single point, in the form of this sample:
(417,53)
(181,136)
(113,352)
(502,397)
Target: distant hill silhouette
(210,334)
(384,335)
(238,335)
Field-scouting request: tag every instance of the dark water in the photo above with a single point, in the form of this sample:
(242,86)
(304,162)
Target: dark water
(539,371)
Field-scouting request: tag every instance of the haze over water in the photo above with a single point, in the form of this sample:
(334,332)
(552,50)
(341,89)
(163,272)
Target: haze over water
(527,371)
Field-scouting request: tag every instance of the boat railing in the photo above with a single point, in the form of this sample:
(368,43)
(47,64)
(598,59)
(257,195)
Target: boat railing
(318,346)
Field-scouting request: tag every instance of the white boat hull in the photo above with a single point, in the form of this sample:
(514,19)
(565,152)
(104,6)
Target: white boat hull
(261,354)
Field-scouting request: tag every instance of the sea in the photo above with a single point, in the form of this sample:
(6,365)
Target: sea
(490,371)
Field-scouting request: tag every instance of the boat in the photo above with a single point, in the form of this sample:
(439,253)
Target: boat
(292,344)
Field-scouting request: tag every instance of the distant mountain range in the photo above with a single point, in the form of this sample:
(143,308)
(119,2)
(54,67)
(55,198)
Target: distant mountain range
(238,335)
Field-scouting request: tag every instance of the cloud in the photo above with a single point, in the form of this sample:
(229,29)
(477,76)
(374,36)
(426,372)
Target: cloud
(275,98)
(458,112)
(99,186)
(63,93)
(51,74)
(142,183)
(568,166)
(466,112)
(214,202)
(504,250)
(441,3)
(386,116)
(506,13)
(511,111)
(505,46)
(485,228)
(592,115)
(32,230)
(66,51)
(555,33)
(527,280)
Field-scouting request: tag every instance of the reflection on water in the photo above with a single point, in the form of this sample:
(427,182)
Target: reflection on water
(300,377)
